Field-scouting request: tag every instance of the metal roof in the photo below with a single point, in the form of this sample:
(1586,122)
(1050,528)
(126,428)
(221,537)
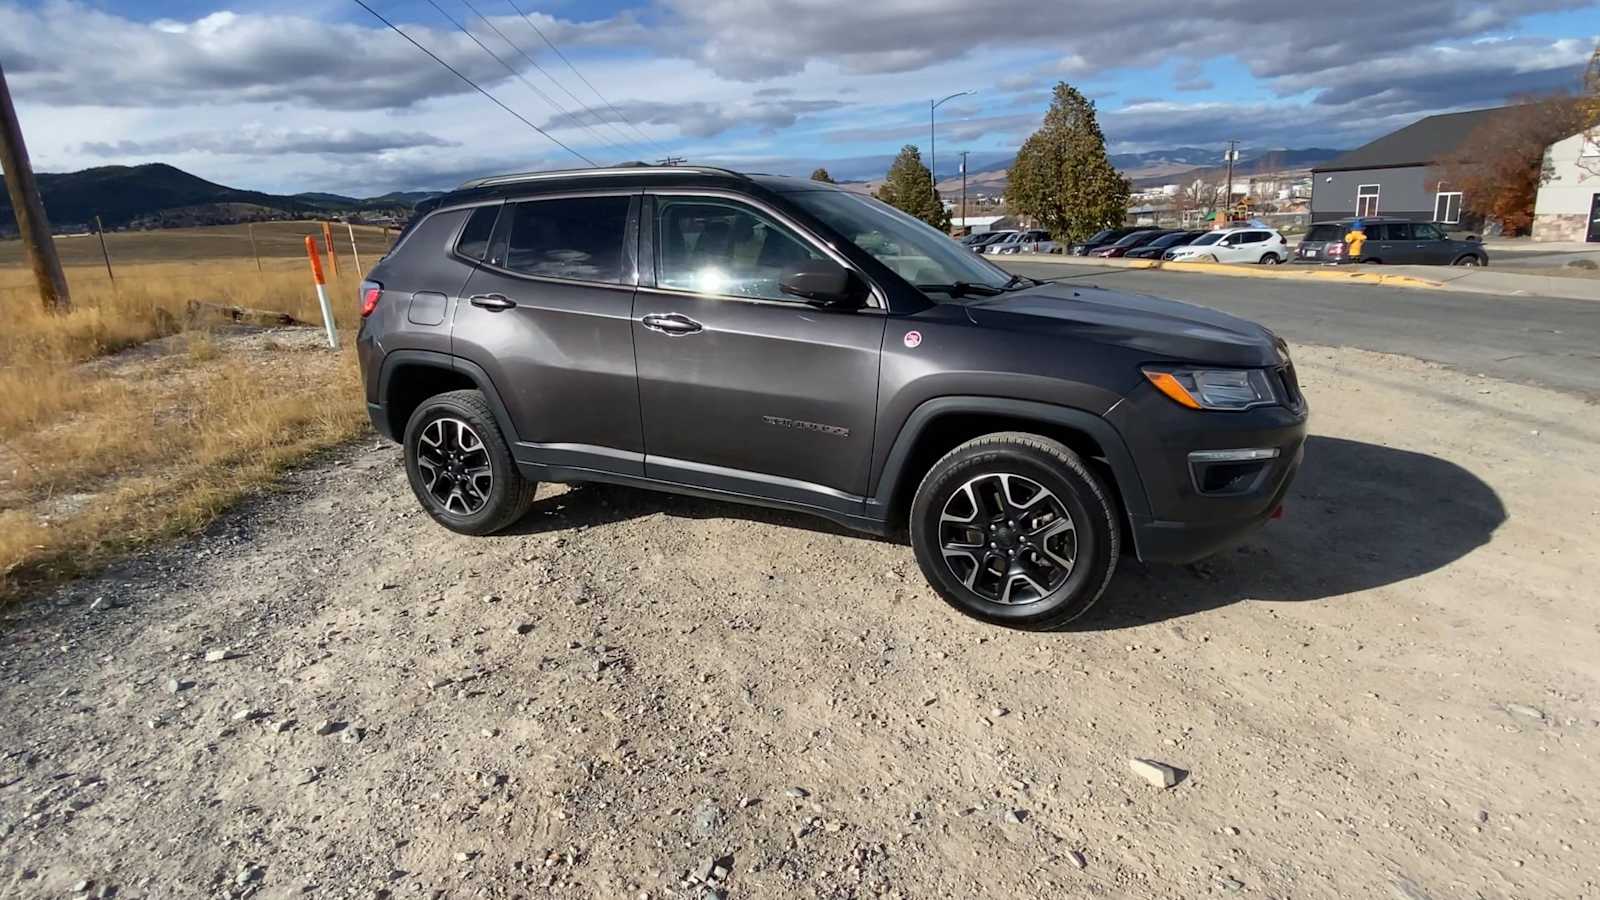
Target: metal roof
(1421,143)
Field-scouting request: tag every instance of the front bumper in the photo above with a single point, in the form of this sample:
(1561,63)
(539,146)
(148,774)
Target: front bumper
(1198,507)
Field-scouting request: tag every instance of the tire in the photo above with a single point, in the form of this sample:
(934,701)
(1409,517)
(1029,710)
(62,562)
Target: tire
(451,442)
(1270,259)
(1466,260)
(1079,555)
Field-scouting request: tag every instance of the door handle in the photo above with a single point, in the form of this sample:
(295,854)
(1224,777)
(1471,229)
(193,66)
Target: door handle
(671,323)
(492,302)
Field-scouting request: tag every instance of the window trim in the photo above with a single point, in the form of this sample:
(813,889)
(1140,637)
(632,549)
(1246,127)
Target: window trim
(876,299)
(629,242)
(1376,195)
(1460,202)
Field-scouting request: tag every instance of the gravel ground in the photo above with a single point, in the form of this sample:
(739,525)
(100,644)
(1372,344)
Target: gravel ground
(1392,692)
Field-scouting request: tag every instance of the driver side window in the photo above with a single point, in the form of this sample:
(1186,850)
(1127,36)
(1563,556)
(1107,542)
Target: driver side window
(713,246)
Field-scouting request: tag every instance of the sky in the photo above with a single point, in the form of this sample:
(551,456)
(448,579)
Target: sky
(320,95)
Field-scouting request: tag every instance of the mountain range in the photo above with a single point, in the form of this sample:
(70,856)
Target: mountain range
(160,195)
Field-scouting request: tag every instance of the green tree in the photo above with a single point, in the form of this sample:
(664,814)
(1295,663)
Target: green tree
(822,175)
(909,188)
(1062,176)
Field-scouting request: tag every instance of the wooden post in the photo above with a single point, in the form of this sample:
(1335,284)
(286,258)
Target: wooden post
(251,227)
(104,253)
(29,209)
(354,251)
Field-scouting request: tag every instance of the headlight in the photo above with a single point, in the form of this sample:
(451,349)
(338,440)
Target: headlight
(1221,389)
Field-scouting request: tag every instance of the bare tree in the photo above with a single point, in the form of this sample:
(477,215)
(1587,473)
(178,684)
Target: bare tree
(1200,197)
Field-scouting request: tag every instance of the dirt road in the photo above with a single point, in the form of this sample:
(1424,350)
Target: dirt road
(1392,692)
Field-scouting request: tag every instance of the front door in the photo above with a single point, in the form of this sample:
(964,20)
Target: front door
(1594,219)
(548,319)
(743,388)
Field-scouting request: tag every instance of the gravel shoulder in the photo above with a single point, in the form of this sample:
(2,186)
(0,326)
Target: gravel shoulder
(1392,692)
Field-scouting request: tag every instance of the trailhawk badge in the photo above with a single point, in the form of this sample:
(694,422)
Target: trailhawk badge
(913,338)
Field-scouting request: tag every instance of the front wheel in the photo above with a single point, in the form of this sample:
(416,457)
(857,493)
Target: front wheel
(1013,529)
(460,467)
(1467,260)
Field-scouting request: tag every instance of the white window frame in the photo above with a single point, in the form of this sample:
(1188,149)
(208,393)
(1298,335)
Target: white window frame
(1444,195)
(1361,194)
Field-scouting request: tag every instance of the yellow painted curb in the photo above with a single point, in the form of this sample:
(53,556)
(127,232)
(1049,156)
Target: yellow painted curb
(1246,270)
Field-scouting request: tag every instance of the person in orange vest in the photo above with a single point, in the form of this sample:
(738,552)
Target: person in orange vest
(1354,239)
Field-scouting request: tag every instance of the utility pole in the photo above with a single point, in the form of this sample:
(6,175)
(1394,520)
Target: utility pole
(964,218)
(29,209)
(1233,154)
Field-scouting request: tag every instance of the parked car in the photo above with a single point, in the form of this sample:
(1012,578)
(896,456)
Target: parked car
(1018,242)
(1106,236)
(1156,248)
(1234,245)
(987,238)
(1128,242)
(778,341)
(1392,241)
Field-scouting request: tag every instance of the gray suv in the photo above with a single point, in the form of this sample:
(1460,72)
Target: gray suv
(787,343)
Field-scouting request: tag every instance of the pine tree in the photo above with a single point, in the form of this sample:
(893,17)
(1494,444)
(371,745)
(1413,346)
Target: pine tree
(909,188)
(822,175)
(1062,175)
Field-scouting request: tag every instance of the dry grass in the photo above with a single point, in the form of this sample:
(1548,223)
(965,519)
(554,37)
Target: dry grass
(101,453)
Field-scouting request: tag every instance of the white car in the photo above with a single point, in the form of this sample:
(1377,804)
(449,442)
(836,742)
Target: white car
(1234,245)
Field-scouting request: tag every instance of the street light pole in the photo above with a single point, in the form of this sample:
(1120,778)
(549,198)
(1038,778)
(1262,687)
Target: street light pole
(964,192)
(933,156)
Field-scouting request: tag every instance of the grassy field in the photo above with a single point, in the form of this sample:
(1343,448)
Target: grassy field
(126,421)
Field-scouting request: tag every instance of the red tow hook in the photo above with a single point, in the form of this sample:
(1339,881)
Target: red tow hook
(1277,512)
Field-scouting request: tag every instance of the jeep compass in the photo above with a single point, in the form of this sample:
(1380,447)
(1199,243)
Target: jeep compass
(783,342)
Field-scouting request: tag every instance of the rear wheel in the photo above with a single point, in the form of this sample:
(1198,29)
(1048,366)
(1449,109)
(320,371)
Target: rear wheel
(460,467)
(1270,259)
(1466,260)
(1013,529)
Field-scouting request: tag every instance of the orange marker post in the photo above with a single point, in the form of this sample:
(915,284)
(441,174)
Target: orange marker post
(322,290)
(327,242)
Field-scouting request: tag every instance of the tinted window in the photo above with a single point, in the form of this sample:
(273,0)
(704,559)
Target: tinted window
(1325,233)
(1251,237)
(719,247)
(1104,234)
(577,237)
(1427,232)
(474,241)
(1167,240)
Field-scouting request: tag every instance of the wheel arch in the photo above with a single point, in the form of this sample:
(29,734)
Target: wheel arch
(940,424)
(410,377)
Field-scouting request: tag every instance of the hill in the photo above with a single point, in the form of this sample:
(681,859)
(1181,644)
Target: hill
(159,195)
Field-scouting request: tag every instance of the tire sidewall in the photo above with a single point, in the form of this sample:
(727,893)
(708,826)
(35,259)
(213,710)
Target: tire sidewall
(503,492)
(1090,515)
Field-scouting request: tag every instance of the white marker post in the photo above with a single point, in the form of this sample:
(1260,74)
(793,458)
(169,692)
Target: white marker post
(322,291)
(353,251)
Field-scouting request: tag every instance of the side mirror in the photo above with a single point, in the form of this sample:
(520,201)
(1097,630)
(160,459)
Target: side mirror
(1472,237)
(823,282)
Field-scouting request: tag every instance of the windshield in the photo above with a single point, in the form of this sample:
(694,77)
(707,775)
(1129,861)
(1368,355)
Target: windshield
(1210,237)
(915,251)
(1101,235)
(1167,240)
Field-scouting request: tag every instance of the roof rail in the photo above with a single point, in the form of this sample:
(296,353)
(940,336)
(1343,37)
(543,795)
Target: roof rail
(634,169)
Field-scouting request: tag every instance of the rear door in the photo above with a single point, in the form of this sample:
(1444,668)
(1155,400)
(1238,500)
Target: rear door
(742,387)
(548,318)
(1385,243)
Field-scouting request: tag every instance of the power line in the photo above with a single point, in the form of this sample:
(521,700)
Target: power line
(512,69)
(396,29)
(575,71)
(626,141)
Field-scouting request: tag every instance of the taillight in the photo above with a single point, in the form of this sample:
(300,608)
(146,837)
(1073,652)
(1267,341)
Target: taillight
(371,293)
(1333,248)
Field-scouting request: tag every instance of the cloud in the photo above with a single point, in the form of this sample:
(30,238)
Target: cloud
(703,119)
(253,141)
(67,53)
(917,132)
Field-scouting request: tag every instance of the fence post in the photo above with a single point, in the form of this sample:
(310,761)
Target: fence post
(251,227)
(327,241)
(353,250)
(104,253)
(322,291)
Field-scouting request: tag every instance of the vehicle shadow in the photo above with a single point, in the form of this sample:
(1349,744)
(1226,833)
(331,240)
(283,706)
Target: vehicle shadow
(1359,516)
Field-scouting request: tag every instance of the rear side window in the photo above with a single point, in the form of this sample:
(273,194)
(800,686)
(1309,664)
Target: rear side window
(474,242)
(581,238)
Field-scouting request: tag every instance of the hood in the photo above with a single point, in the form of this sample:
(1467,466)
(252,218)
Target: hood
(1162,328)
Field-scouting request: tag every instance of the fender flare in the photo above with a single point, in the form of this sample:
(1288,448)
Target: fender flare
(396,360)
(1129,486)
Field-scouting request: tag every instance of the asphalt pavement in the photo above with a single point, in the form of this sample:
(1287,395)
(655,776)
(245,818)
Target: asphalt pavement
(1542,341)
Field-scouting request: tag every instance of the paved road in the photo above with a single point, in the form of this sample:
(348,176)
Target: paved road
(1532,340)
